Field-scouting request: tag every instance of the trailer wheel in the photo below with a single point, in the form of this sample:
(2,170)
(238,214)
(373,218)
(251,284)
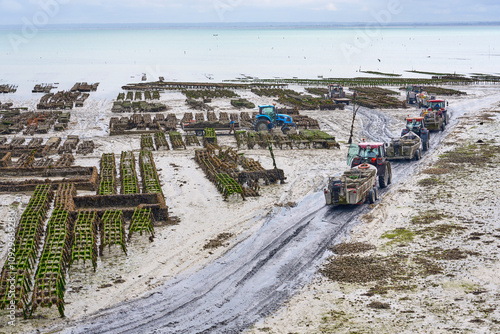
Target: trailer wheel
(417,155)
(371,197)
(375,191)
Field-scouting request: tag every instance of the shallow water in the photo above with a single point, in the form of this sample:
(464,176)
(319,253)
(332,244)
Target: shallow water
(118,56)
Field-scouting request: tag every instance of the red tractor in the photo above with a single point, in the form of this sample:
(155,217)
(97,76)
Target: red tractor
(436,116)
(373,153)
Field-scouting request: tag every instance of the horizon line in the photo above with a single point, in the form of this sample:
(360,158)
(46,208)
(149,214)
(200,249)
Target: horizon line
(261,24)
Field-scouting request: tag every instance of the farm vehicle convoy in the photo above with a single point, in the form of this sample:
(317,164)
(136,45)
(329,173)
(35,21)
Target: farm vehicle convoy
(433,110)
(369,161)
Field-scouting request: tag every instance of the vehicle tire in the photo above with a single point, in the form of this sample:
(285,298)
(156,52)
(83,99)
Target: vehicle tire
(389,179)
(371,197)
(383,180)
(417,155)
(260,125)
(285,129)
(375,192)
(425,145)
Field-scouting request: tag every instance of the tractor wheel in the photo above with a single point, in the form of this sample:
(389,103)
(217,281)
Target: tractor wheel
(417,155)
(260,125)
(371,197)
(425,145)
(389,179)
(285,129)
(383,180)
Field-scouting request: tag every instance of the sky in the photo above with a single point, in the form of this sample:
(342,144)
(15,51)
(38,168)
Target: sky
(45,12)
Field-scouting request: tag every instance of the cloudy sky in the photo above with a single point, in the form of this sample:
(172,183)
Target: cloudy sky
(42,12)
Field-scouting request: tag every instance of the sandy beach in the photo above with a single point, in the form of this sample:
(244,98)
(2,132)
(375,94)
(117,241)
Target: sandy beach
(436,233)
(445,267)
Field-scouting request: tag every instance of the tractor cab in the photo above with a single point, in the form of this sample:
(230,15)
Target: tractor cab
(414,124)
(268,111)
(435,105)
(366,153)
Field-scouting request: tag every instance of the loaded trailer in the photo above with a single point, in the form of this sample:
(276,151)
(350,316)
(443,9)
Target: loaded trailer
(356,186)
(407,147)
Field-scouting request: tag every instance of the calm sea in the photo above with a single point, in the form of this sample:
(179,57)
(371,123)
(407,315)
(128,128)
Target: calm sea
(115,56)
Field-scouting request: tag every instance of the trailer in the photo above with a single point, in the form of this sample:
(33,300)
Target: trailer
(411,93)
(356,186)
(407,147)
(336,94)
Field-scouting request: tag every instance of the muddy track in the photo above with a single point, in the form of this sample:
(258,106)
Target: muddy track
(374,125)
(252,279)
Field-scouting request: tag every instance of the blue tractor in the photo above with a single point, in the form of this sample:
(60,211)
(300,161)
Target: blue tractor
(268,119)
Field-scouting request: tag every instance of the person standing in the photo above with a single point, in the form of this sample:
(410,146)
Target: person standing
(231,127)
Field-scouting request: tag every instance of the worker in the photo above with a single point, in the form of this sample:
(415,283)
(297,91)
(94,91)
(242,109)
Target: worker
(371,154)
(269,126)
(231,127)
